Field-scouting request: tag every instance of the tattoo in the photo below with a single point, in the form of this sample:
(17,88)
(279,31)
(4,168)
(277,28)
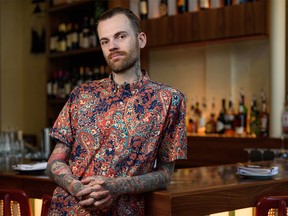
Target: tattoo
(158,179)
(59,171)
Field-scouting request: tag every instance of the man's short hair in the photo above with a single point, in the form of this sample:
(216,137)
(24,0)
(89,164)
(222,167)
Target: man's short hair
(134,20)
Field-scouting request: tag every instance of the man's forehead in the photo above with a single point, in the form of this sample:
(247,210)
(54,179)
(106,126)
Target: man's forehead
(113,25)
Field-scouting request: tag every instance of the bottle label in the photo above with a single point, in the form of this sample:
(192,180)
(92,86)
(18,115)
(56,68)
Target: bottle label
(219,126)
(264,124)
(239,130)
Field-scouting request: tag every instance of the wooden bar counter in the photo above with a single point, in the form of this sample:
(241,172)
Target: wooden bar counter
(193,191)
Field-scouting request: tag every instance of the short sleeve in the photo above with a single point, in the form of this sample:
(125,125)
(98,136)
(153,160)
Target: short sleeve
(62,129)
(174,143)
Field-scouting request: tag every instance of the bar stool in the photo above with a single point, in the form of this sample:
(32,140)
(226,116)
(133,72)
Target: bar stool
(46,201)
(8,196)
(267,206)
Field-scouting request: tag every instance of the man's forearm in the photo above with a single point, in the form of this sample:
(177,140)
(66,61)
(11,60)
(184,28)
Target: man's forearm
(63,176)
(158,179)
(59,171)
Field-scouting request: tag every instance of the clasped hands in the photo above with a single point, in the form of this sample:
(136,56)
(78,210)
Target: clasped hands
(94,196)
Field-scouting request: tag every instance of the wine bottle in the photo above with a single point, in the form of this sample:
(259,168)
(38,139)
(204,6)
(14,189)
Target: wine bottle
(211,123)
(75,36)
(264,117)
(229,118)
(67,83)
(192,123)
(143,9)
(69,36)
(254,118)
(53,43)
(62,40)
(49,88)
(92,33)
(285,119)
(241,117)
(85,33)
(220,126)
(55,84)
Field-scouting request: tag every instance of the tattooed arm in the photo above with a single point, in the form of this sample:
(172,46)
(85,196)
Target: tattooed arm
(58,170)
(157,179)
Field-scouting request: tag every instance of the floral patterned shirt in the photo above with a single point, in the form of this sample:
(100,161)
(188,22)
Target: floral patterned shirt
(119,131)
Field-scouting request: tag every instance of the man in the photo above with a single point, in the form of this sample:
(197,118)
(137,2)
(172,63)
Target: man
(111,131)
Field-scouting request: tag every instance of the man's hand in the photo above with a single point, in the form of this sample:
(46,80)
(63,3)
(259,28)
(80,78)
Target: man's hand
(93,196)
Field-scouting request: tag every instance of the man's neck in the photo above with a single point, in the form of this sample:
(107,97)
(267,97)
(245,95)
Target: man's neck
(129,76)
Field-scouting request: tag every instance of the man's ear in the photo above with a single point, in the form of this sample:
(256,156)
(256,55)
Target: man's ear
(142,39)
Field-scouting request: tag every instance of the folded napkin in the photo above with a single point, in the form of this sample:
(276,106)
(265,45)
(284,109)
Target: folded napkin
(257,170)
(30,167)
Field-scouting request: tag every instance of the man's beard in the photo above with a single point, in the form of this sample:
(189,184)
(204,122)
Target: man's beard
(127,62)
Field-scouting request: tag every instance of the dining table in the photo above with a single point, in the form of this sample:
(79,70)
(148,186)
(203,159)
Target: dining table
(194,191)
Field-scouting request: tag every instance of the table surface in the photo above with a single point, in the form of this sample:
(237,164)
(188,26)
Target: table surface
(193,191)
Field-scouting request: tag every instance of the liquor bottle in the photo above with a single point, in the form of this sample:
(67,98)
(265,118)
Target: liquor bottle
(197,112)
(229,118)
(264,117)
(92,33)
(241,117)
(62,40)
(181,6)
(204,4)
(85,33)
(75,36)
(61,85)
(163,8)
(96,73)
(285,119)
(202,117)
(211,123)
(55,84)
(49,88)
(69,36)
(88,73)
(53,43)
(172,7)
(81,78)
(67,83)
(242,100)
(220,126)
(192,123)
(254,118)
(193,5)
(143,7)
(216,3)
(228,2)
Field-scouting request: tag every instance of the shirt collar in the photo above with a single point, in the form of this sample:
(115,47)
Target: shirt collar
(134,87)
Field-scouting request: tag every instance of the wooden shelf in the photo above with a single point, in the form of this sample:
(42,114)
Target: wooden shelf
(75,52)
(238,21)
(74,5)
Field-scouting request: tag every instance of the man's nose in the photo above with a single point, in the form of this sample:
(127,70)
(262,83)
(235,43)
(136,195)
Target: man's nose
(113,45)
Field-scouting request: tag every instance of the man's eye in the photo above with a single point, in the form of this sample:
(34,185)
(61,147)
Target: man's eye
(103,43)
(121,36)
